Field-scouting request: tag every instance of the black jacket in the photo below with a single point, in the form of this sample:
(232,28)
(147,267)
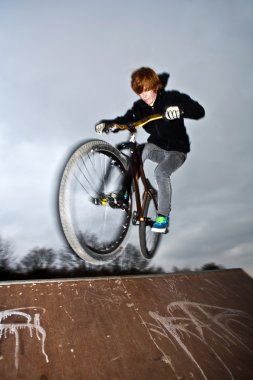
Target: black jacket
(168,135)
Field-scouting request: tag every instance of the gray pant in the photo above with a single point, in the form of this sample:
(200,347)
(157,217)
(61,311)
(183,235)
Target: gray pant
(168,162)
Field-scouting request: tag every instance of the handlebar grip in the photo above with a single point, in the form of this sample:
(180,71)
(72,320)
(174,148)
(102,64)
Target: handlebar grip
(119,127)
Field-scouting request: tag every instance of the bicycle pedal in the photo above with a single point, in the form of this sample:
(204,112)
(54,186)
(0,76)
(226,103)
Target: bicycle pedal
(135,220)
(99,201)
(103,202)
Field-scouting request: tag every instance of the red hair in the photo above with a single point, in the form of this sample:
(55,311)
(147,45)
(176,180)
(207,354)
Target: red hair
(145,79)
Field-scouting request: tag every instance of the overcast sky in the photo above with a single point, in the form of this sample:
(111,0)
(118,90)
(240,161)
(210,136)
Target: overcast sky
(66,64)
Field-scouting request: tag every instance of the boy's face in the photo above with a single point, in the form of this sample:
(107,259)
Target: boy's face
(148,97)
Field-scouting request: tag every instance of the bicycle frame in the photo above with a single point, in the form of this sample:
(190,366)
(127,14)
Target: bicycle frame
(136,165)
(137,173)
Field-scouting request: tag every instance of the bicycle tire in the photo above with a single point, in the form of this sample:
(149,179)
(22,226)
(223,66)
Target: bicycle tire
(94,229)
(149,240)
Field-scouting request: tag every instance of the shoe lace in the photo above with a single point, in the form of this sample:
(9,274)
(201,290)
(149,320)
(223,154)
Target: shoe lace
(161,219)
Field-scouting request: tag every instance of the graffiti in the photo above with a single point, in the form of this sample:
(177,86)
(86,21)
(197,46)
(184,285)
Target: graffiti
(106,297)
(200,321)
(20,319)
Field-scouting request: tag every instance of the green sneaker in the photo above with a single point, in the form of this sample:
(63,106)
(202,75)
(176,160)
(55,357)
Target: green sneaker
(161,224)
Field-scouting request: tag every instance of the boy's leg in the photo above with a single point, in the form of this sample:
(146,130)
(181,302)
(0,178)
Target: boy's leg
(169,164)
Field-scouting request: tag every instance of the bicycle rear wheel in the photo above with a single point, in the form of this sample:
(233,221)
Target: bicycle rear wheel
(149,240)
(93,224)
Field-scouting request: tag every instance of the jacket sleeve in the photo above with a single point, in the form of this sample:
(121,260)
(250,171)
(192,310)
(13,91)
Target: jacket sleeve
(190,108)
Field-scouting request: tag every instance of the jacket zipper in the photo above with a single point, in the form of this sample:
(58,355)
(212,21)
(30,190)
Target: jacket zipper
(156,127)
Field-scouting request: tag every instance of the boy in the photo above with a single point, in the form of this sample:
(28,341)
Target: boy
(168,143)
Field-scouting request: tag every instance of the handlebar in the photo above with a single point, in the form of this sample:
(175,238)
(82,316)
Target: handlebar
(131,127)
(137,124)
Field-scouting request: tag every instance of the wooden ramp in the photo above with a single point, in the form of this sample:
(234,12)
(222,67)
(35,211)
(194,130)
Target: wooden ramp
(179,326)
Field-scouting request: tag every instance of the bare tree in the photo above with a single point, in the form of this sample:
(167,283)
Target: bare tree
(38,259)
(6,253)
(211,266)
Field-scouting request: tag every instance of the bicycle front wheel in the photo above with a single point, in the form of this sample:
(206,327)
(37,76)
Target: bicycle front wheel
(94,224)
(149,240)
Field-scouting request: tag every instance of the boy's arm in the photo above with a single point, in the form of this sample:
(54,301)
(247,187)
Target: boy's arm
(189,108)
(107,124)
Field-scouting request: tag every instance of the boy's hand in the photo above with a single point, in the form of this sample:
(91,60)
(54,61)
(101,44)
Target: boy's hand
(172,112)
(103,127)
(100,128)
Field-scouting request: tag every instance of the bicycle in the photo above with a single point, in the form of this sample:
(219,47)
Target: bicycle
(94,221)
